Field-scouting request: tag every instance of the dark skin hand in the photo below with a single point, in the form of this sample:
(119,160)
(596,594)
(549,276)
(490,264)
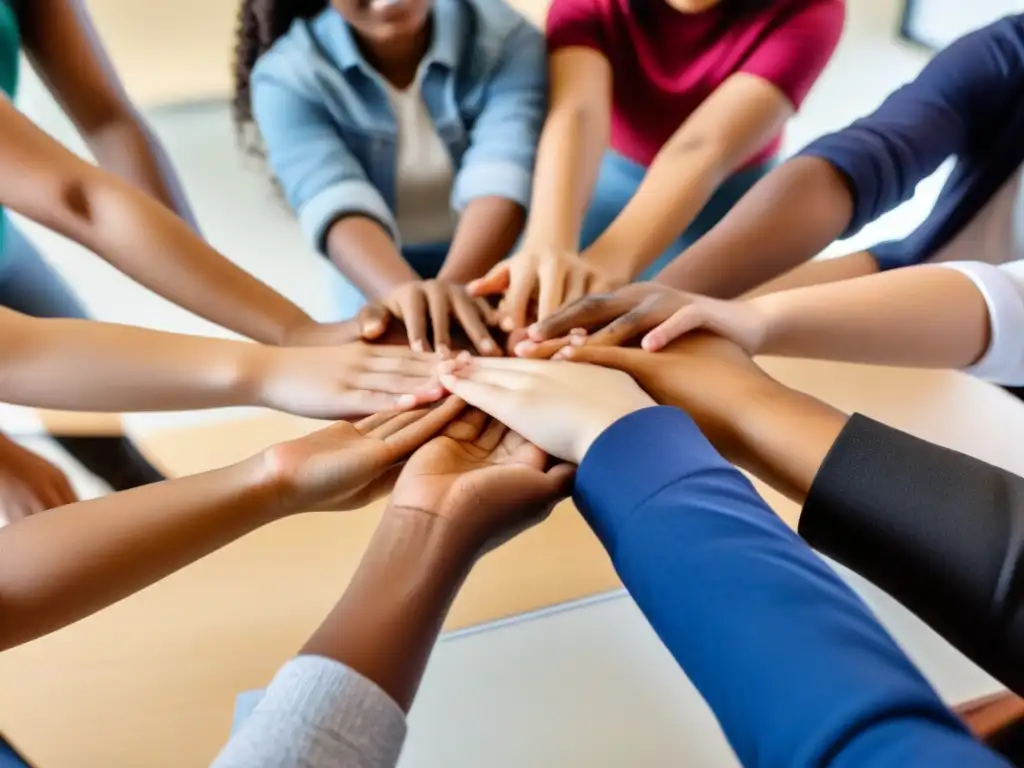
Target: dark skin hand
(427,307)
(609,319)
(459,496)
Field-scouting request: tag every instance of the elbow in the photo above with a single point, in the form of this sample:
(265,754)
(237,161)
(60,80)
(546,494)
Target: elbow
(74,200)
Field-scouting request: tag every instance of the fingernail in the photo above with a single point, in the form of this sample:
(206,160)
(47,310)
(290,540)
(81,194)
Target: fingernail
(417,346)
(534,331)
(578,332)
(464,357)
(443,351)
(568,352)
(487,346)
(406,401)
(650,343)
(507,324)
(577,341)
(524,347)
(375,326)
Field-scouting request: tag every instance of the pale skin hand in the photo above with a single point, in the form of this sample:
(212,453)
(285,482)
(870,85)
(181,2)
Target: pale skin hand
(63,564)
(459,495)
(29,484)
(561,407)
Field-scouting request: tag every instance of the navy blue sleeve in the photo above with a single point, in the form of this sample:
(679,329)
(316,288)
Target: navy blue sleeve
(947,110)
(794,666)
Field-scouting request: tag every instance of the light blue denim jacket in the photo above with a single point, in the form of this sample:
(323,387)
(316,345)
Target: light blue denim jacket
(331,137)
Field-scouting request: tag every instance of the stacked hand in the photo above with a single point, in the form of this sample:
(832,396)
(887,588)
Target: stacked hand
(29,483)
(653,313)
(427,305)
(549,277)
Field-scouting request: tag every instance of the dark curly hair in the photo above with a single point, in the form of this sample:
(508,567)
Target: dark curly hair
(260,24)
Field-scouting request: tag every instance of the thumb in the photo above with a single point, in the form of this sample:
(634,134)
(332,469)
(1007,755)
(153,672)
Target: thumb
(561,478)
(495,281)
(373,320)
(684,320)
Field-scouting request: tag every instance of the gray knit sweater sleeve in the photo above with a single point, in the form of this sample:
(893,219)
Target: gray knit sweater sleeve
(318,713)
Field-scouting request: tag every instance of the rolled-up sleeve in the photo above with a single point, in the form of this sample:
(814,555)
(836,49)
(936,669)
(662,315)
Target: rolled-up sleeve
(1003,289)
(948,109)
(503,138)
(322,180)
(318,713)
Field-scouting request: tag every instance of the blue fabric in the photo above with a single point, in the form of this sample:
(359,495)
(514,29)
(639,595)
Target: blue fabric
(28,284)
(794,666)
(968,103)
(617,182)
(331,138)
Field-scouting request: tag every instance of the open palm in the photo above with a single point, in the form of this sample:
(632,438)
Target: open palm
(484,479)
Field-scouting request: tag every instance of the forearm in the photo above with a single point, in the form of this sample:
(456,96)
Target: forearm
(675,188)
(688,536)
(147,242)
(939,531)
(366,255)
(885,319)
(128,148)
(568,160)
(819,272)
(84,365)
(387,622)
(785,219)
(781,436)
(66,563)
(487,231)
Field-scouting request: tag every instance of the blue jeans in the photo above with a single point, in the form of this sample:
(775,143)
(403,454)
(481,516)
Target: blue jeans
(32,287)
(618,181)
(426,261)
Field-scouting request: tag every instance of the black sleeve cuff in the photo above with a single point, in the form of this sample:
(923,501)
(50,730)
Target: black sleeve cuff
(941,532)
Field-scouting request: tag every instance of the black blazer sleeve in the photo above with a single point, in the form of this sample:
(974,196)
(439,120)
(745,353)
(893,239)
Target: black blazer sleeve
(941,532)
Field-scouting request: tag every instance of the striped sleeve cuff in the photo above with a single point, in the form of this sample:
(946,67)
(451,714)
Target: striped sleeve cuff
(1003,289)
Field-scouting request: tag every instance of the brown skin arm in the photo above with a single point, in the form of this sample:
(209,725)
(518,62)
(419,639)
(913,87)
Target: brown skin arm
(487,231)
(775,432)
(45,182)
(858,264)
(787,218)
(67,53)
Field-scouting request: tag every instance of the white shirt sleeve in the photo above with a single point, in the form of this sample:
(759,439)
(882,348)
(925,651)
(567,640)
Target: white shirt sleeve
(1003,289)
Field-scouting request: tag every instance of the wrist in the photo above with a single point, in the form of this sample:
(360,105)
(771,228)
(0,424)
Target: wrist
(620,264)
(259,489)
(433,541)
(251,371)
(768,309)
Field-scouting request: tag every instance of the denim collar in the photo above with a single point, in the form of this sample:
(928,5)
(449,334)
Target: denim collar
(336,38)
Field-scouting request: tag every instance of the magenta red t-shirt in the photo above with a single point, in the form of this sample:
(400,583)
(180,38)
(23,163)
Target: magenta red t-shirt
(665,63)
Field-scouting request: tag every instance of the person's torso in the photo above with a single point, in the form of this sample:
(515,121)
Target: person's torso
(320,58)
(665,64)
(424,172)
(995,235)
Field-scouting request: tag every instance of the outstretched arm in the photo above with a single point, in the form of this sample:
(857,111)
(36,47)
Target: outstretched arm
(136,234)
(63,564)
(66,51)
(843,181)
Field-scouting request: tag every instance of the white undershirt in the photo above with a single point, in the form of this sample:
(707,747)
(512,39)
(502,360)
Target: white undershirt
(424,172)
(990,251)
